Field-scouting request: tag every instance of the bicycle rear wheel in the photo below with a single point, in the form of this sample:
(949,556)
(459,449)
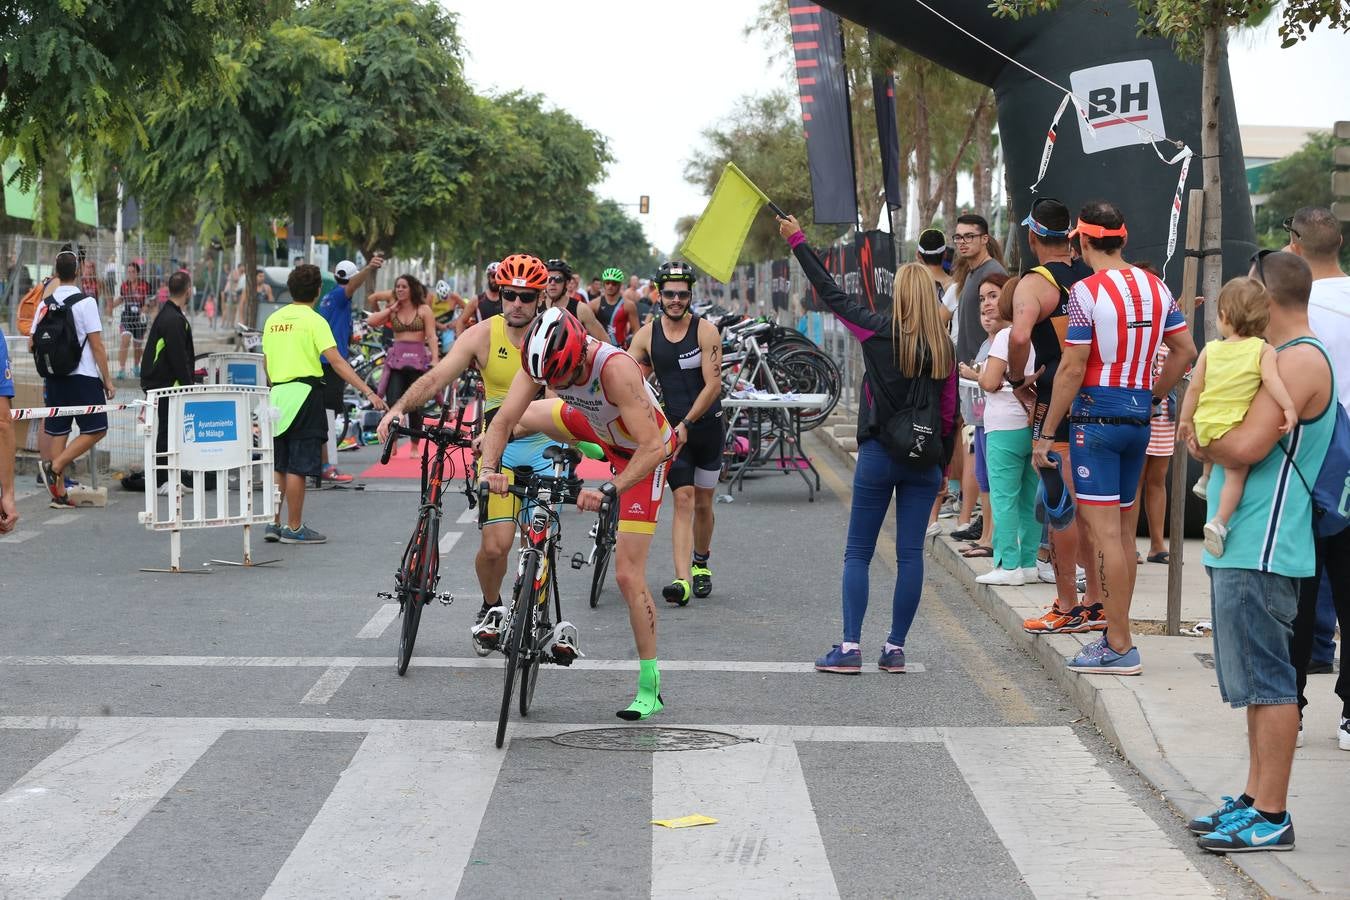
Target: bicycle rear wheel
(417,577)
(513,646)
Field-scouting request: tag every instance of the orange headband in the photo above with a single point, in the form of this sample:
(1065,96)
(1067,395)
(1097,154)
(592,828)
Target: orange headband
(1098,231)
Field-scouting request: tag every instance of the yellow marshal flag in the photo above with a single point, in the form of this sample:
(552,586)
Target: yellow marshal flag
(715,242)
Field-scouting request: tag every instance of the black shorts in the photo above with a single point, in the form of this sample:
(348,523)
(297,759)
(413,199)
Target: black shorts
(75,390)
(297,455)
(133,325)
(699,461)
(334,389)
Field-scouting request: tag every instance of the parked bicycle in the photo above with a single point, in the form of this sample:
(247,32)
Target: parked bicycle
(604,535)
(418,574)
(529,639)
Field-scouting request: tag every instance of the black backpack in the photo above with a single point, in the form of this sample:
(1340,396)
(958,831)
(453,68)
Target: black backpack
(57,347)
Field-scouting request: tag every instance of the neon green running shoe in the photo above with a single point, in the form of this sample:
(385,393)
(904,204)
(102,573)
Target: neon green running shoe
(701,576)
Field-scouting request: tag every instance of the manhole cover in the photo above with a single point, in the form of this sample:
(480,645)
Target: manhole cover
(647,740)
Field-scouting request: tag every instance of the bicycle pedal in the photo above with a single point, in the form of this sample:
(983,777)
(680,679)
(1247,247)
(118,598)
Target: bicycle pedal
(578,560)
(446,598)
(384,595)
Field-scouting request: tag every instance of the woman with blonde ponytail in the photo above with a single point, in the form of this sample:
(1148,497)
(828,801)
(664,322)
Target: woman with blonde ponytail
(906,353)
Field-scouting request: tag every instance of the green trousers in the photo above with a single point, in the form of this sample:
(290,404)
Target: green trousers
(1012,494)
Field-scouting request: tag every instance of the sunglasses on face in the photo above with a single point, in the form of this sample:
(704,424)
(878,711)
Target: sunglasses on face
(556,279)
(676,295)
(1258,260)
(510,296)
(1288,225)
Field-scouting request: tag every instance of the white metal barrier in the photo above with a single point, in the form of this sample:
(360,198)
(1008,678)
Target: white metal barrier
(243,369)
(220,433)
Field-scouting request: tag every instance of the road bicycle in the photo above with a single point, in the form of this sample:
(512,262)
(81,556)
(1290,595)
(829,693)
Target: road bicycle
(604,534)
(763,356)
(416,580)
(528,637)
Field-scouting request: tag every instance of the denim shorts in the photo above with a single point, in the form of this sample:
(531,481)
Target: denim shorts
(1253,614)
(1108,458)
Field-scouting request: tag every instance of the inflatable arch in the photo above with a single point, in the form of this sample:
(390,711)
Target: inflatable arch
(1089,46)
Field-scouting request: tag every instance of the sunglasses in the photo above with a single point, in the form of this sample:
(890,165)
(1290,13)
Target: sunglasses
(1288,225)
(676,295)
(556,279)
(510,296)
(1258,260)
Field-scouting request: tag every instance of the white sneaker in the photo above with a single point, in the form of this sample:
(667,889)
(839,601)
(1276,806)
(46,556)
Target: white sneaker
(1201,487)
(1031,574)
(933,530)
(1215,534)
(1343,733)
(1045,571)
(1006,577)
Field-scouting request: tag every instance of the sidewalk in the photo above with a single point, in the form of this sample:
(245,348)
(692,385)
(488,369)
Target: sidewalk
(1170,724)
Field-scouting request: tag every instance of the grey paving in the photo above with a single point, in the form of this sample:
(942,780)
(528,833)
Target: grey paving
(230,821)
(23,748)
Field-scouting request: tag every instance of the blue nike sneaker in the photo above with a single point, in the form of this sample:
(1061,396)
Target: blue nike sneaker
(1247,831)
(839,662)
(1099,659)
(1211,822)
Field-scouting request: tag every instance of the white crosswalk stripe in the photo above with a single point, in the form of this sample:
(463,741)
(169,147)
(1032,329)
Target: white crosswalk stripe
(403,817)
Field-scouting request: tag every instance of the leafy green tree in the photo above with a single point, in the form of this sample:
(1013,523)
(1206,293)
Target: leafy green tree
(533,162)
(416,114)
(1198,29)
(1300,179)
(603,234)
(72,72)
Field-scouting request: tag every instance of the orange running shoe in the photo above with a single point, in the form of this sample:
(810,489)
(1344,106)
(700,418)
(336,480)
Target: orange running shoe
(1056,621)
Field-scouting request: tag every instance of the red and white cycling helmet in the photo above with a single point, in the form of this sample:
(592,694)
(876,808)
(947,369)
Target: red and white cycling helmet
(554,347)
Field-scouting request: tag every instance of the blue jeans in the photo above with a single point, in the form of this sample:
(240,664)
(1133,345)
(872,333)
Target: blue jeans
(876,476)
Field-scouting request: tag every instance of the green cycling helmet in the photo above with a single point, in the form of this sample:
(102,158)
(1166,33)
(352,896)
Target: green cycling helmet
(612,274)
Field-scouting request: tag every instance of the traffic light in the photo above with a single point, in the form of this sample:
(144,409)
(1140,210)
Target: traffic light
(644,202)
(1340,180)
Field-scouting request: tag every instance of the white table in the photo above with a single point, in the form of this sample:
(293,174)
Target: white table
(774,423)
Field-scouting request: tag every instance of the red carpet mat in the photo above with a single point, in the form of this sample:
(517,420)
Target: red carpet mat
(405,464)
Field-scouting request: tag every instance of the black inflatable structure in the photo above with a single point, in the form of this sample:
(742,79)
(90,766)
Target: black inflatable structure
(1088,46)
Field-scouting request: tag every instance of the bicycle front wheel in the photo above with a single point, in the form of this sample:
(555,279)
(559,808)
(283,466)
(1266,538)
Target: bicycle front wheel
(604,550)
(513,646)
(417,583)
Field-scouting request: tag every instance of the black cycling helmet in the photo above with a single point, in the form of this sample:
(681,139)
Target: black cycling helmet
(559,265)
(674,270)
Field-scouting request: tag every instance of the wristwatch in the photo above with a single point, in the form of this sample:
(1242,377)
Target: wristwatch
(1015,382)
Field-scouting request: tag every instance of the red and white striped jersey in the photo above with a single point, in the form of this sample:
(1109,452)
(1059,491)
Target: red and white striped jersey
(1123,314)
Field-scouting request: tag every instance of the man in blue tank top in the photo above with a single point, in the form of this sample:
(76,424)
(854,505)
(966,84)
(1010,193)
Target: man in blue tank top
(1254,585)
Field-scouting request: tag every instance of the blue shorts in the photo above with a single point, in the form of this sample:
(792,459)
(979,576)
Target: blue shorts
(1108,457)
(1253,615)
(75,390)
(6,373)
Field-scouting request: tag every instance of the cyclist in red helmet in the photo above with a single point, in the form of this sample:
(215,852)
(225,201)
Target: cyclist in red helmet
(601,397)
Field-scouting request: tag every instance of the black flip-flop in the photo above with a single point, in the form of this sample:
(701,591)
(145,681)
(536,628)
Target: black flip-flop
(1162,556)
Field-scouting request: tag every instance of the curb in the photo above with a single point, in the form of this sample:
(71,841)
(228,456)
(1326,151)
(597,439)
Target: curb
(1112,708)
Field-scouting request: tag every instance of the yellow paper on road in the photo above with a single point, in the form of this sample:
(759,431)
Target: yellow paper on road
(714,244)
(685,821)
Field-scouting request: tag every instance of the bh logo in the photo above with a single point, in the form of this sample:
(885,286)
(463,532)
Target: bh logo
(1119,95)
(189,428)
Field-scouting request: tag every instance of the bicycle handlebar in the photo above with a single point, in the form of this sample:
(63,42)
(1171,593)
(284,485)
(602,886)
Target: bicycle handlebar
(442,437)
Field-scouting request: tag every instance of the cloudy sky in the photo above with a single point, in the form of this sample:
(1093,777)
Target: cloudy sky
(651,77)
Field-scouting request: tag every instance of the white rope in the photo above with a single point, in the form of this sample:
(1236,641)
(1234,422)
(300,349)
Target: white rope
(1081,102)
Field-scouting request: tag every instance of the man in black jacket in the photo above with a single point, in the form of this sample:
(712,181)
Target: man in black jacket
(168,359)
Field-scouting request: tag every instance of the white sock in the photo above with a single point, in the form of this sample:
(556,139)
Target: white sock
(893,647)
(848,647)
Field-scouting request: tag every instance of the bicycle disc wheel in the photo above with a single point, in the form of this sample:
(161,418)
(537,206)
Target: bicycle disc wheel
(515,638)
(411,589)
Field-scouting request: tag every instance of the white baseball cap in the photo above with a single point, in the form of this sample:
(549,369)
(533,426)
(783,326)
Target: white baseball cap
(344,271)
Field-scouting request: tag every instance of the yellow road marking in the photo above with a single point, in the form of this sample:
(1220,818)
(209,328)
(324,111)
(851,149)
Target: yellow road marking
(1002,691)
